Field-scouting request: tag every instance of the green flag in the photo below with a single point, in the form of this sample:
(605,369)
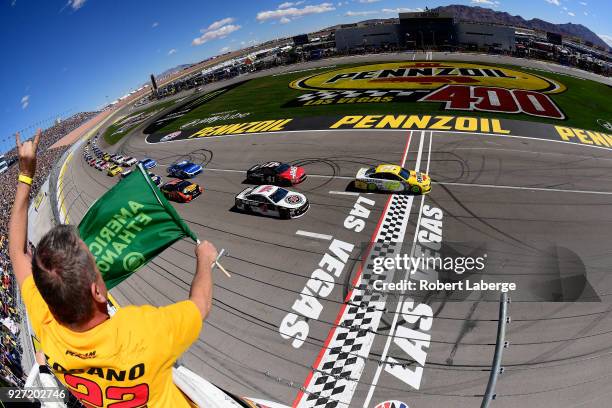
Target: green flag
(130,225)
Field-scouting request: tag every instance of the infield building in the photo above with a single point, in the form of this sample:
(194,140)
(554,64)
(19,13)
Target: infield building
(426,30)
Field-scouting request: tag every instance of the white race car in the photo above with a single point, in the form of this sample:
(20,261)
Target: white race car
(272,201)
(130,161)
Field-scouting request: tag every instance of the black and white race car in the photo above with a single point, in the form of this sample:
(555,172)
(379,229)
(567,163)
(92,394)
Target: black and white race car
(276,173)
(272,201)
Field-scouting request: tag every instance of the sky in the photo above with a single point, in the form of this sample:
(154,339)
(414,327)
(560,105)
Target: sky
(63,57)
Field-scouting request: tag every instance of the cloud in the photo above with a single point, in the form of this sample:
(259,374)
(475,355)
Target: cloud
(555,2)
(218,29)
(583,3)
(383,11)
(586,14)
(220,23)
(76,4)
(25,102)
(155,24)
(225,49)
(288,4)
(13,3)
(401,10)
(249,43)
(571,14)
(285,20)
(294,12)
(172,51)
(360,13)
(606,38)
(368,1)
(489,2)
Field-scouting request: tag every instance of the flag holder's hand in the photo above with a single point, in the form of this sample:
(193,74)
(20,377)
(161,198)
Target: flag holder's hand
(216,261)
(27,154)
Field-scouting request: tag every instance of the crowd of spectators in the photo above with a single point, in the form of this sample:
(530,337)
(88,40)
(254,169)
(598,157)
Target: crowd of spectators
(11,372)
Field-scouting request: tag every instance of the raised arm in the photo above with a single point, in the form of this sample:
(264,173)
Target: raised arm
(201,287)
(18,225)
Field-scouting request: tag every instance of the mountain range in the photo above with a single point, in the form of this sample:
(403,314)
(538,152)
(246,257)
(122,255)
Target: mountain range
(486,15)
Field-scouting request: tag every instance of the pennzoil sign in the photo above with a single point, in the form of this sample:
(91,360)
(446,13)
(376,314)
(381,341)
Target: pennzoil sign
(461,86)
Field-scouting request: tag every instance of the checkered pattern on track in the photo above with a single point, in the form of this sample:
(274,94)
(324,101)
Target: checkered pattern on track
(336,377)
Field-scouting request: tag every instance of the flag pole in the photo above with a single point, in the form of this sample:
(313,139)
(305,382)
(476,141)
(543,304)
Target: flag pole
(216,261)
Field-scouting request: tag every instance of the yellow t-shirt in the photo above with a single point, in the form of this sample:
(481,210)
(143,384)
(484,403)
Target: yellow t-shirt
(127,358)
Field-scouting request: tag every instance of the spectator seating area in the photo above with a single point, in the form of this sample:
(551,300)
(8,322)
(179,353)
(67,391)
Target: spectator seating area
(11,371)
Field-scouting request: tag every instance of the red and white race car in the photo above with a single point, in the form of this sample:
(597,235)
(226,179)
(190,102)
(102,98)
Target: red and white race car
(272,201)
(276,173)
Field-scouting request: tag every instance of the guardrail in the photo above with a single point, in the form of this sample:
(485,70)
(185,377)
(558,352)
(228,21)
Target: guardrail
(500,345)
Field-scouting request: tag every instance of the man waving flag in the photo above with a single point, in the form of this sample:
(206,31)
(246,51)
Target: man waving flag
(130,225)
(107,361)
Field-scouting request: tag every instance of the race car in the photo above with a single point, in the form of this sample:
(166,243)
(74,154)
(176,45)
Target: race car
(101,165)
(392,178)
(181,191)
(118,160)
(272,201)
(155,178)
(184,169)
(126,173)
(276,173)
(130,161)
(148,163)
(106,157)
(113,170)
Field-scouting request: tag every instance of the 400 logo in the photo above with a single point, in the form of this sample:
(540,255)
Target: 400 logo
(459,85)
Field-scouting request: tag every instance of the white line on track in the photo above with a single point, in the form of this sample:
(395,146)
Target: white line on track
(428,155)
(418,159)
(349,193)
(442,183)
(552,190)
(313,235)
(533,152)
(244,171)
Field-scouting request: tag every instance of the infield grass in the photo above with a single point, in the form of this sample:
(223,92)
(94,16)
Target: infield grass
(584,102)
(112,134)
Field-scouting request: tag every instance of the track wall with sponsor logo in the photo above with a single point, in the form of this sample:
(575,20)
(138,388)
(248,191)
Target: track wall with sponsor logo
(443,123)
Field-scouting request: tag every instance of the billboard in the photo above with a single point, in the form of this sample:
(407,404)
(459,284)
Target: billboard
(300,39)
(554,38)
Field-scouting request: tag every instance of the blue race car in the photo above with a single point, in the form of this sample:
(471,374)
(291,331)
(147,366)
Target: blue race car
(184,169)
(148,163)
(155,178)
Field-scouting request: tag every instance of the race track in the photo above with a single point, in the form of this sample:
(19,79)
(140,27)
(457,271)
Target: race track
(539,206)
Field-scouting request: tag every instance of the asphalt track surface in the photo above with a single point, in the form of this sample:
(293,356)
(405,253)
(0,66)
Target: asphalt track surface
(541,207)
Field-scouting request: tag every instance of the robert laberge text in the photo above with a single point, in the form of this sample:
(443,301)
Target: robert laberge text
(480,285)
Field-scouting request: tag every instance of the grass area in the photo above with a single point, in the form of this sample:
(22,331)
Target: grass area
(583,103)
(122,127)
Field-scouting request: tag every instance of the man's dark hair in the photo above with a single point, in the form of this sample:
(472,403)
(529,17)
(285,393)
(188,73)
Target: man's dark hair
(63,271)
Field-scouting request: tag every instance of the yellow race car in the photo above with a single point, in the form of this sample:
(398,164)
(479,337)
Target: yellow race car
(114,170)
(392,178)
